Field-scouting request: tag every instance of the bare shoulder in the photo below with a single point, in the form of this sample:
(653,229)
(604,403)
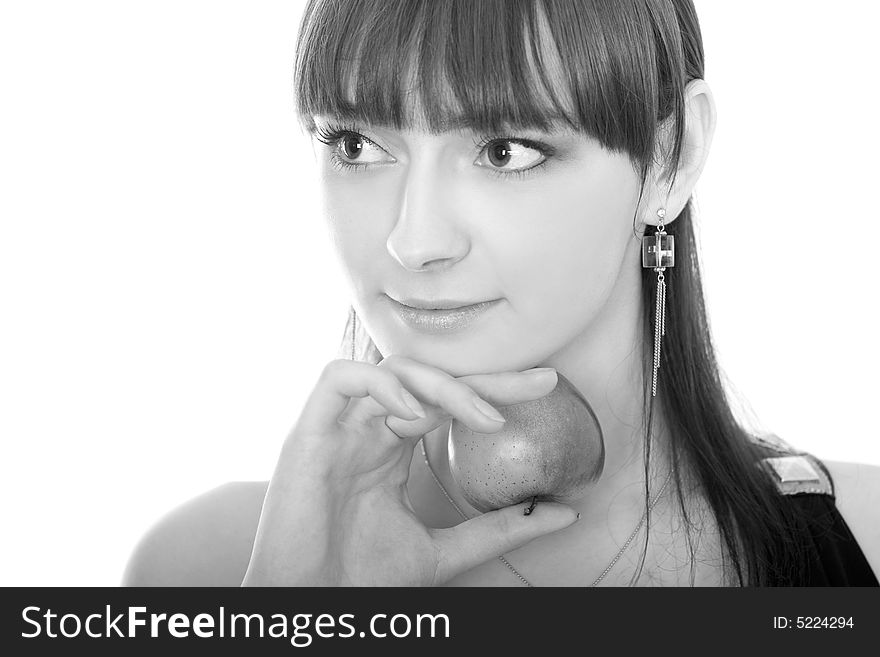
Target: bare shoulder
(206,541)
(857,489)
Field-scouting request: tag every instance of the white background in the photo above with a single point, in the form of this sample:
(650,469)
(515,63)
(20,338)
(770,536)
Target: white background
(168,292)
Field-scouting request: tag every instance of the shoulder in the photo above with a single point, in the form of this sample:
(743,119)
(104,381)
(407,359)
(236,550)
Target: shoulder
(857,496)
(855,487)
(206,541)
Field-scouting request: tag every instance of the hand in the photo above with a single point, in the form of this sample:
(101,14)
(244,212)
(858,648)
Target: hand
(337,512)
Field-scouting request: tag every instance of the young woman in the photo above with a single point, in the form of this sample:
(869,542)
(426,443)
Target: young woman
(491,171)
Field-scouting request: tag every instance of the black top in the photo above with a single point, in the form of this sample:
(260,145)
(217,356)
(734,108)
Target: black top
(835,557)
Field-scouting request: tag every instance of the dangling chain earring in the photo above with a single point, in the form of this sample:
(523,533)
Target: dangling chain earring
(658,251)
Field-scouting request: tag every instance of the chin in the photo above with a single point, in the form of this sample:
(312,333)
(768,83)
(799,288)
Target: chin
(460,359)
(452,360)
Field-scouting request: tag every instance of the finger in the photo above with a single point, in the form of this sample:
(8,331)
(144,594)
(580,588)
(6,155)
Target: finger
(449,396)
(502,388)
(505,388)
(492,534)
(342,380)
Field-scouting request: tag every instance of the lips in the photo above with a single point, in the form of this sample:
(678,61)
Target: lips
(436,304)
(440,315)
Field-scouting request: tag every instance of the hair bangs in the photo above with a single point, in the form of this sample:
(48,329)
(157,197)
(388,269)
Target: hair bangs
(487,66)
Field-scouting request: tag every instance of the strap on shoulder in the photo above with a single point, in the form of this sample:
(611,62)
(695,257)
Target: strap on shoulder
(798,473)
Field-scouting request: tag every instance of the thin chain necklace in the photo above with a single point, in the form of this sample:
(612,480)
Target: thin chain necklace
(508,564)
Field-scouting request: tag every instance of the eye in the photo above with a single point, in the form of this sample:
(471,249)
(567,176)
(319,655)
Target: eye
(508,155)
(350,148)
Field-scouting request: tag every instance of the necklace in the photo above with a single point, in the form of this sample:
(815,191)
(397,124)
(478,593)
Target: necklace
(508,564)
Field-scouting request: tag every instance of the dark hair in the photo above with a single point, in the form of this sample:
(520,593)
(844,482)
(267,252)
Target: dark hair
(625,65)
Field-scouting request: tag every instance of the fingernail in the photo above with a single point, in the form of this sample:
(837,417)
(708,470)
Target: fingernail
(413,403)
(487,410)
(541,372)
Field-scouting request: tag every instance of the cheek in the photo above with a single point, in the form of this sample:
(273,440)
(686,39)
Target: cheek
(356,214)
(563,248)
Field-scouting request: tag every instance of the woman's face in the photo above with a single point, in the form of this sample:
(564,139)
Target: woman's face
(538,223)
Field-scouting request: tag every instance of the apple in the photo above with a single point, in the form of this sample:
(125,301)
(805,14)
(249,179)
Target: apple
(549,449)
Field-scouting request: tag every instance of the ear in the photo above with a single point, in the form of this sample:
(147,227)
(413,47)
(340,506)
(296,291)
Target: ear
(661,191)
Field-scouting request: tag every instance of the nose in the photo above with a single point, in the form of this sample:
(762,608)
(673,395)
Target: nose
(426,236)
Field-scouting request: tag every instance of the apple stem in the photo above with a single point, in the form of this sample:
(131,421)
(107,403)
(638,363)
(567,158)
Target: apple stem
(531,506)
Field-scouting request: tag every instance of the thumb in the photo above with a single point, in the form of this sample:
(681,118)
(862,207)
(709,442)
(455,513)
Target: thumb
(490,535)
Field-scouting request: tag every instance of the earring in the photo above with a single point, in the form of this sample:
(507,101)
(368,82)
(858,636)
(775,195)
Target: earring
(658,251)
